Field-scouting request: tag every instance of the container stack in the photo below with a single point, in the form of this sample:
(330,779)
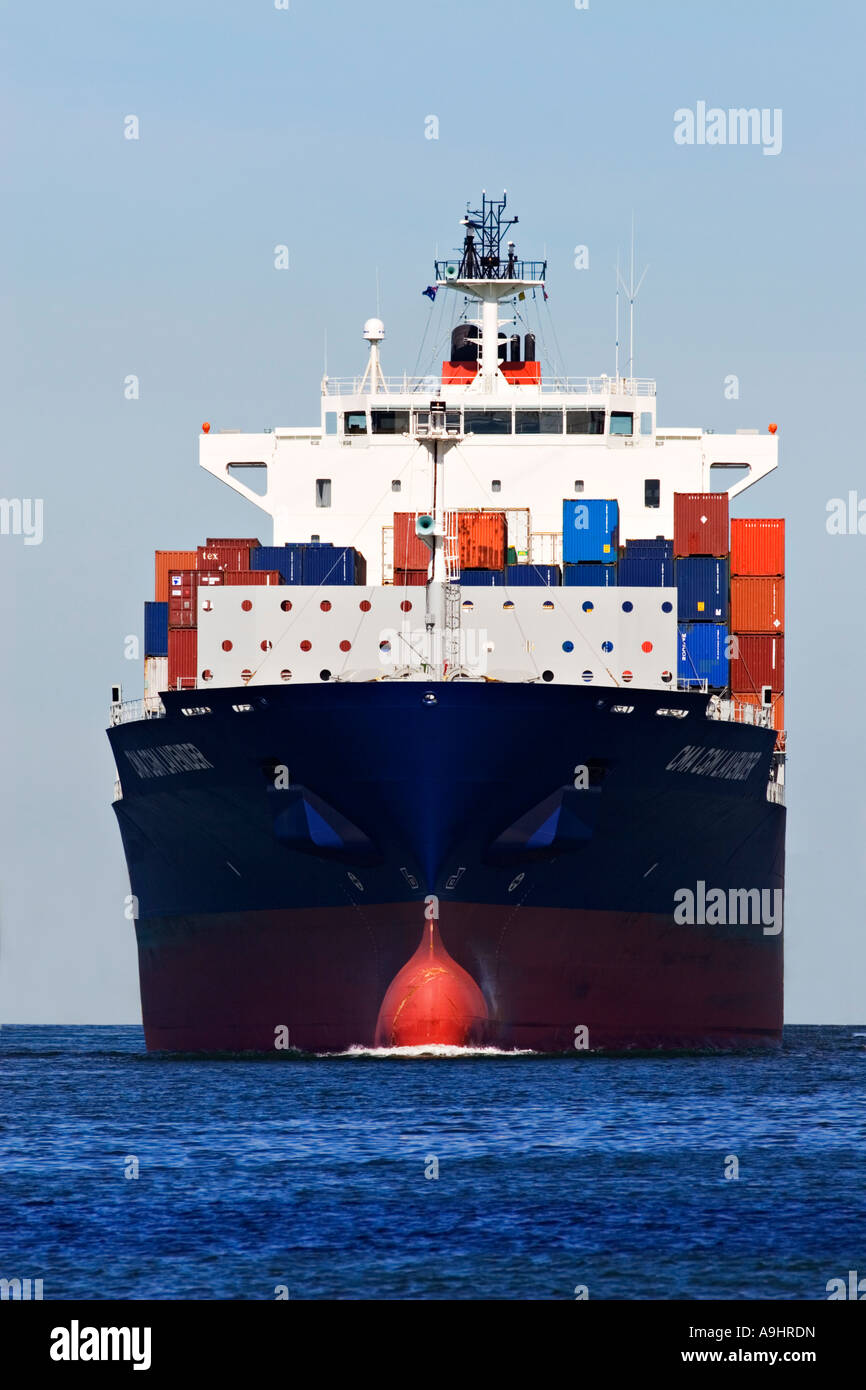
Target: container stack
(171,622)
(758,613)
(701,573)
(590,537)
(648,564)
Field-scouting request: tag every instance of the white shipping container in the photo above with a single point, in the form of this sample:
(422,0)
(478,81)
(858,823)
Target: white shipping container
(155,676)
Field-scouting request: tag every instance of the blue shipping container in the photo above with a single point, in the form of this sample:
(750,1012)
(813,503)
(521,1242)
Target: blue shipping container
(589,530)
(654,573)
(156,629)
(331,564)
(589,576)
(477,578)
(702,653)
(288,559)
(702,589)
(532,574)
(642,550)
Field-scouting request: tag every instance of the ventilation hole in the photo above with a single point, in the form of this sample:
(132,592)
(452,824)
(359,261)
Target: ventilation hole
(607,646)
(587,676)
(508,605)
(265,645)
(227,645)
(406,606)
(324,675)
(207,675)
(547,675)
(285,674)
(588,607)
(467,603)
(667,677)
(325,605)
(306,646)
(247,605)
(345,646)
(568,646)
(246,675)
(548,605)
(646,646)
(627,606)
(628,676)
(286,605)
(667,607)
(365,605)
(384,646)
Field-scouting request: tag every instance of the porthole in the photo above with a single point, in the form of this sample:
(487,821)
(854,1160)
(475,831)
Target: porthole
(548,605)
(207,675)
(587,676)
(265,644)
(306,646)
(365,605)
(286,605)
(568,646)
(285,675)
(227,645)
(406,606)
(588,607)
(247,604)
(246,675)
(628,606)
(508,605)
(324,675)
(667,677)
(646,646)
(325,605)
(345,646)
(607,646)
(667,607)
(547,675)
(628,676)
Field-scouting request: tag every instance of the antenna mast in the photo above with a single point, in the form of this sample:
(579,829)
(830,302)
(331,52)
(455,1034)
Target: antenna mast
(631,291)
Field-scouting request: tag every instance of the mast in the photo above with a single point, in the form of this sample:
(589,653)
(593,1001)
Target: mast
(489,273)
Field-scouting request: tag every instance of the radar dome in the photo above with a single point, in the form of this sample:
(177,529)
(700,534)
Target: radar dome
(374,330)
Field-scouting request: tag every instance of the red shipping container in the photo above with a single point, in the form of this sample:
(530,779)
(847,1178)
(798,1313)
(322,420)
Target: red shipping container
(757,545)
(182,588)
(700,523)
(402,577)
(182,657)
(223,557)
(757,604)
(758,661)
(483,538)
(252,577)
(244,542)
(168,560)
(410,553)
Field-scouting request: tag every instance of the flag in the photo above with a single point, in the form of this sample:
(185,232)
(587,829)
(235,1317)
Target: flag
(430,291)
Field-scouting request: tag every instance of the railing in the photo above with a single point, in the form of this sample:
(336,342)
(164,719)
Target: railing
(736,712)
(128,711)
(432,383)
(776,793)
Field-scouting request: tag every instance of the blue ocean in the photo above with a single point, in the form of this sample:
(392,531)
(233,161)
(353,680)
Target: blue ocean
(471,1175)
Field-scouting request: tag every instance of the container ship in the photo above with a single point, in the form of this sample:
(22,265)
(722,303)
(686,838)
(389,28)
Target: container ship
(485,744)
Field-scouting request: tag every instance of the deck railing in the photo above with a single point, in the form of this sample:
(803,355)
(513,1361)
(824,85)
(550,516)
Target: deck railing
(424,385)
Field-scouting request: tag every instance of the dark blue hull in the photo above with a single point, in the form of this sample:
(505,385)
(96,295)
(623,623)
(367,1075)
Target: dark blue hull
(262,904)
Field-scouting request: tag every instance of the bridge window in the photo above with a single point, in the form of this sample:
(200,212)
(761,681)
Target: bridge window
(323,492)
(396,485)
(487,421)
(390,421)
(621,422)
(651,492)
(584,422)
(355,422)
(538,422)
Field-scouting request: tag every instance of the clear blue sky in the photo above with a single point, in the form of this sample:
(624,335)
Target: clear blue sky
(306,127)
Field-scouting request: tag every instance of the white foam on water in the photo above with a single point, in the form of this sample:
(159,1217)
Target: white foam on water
(434,1050)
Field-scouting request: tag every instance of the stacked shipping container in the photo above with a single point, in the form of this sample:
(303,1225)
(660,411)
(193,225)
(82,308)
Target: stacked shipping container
(758,613)
(700,549)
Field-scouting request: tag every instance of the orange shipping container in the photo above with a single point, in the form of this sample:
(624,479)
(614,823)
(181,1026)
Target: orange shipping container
(182,657)
(757,604)
(483,538)
(410,553)
(170,560)
(251,577)
(757,545)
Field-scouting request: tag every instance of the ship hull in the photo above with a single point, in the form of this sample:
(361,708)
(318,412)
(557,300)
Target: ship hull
(283,859)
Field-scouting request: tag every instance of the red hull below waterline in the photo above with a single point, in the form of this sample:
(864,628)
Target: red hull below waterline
(238,982)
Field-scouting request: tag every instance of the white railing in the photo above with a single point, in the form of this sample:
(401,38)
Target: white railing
(128,711)
(424,385)
(776,793)
(735,711)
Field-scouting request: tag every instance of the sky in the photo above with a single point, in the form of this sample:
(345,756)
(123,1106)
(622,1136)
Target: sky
(308,127)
